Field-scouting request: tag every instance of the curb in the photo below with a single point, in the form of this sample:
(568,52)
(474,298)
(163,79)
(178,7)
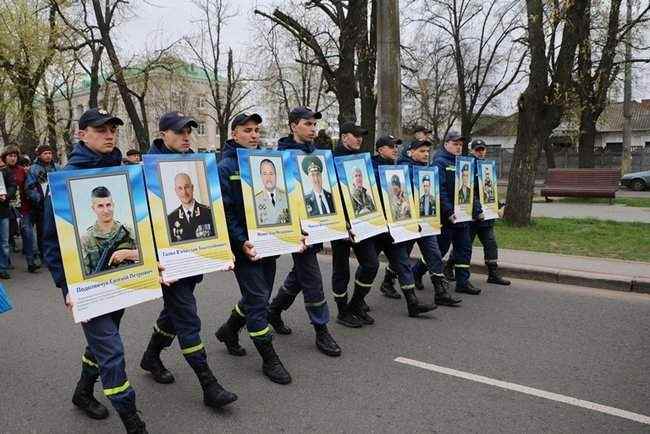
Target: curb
(614,282)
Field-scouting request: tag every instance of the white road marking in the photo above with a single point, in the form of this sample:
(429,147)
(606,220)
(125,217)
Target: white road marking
(528,390)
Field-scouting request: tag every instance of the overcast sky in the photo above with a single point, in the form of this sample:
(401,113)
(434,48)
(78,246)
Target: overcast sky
(159,22)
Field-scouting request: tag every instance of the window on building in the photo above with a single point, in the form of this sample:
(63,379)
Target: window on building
(647,145)
(201,102)
(200,131)
(615,148)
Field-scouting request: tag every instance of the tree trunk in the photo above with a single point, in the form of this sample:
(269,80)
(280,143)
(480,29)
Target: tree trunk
(367,55)
(50,117)
(549,152)
(93,97)
(27,137)
(389,83)
(587,138)
(223,134)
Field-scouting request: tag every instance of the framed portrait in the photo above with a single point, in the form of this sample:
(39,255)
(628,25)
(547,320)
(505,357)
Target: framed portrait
(488,191)
(399,206)
(322,217)
(188,216)
(426,186)
(104,229)
(3,187)
(272,200)
(5,301)
(360,195)
(464,189)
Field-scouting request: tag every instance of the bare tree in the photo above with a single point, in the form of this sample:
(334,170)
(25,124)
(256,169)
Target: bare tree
(227,93)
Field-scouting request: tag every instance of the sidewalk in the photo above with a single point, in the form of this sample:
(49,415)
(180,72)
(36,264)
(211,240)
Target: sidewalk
(600,273)
(619,213)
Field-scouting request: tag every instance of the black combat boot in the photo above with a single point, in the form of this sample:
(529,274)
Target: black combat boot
(442,296)
(325,342)
(357,302)
(468,288)
(418,276)
(133,423)
(228,333)
(494,276)
(449,270)
(387,287)
(415,308)
(151,358)
(84,399)
(345,317)
(272,367)
(214,395)
(282,301)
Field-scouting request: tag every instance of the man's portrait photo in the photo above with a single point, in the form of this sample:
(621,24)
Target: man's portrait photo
(187,200)
(269,191)
(316,187)
(488,185)
(104,223)
(465,190)
(400,208)
(427,200)
(360,192)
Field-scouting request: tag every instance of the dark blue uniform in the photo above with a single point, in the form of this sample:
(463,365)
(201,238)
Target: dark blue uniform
(366,255)
(255,278)
(452,233)
(179,316)
(104,355)
(305,276)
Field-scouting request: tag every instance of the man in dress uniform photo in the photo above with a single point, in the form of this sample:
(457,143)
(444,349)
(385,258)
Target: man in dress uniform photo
(361,200)
(191,220)
(319,201)
(399,204)
(464,192)
(107,244)
(271,204)
(427,200)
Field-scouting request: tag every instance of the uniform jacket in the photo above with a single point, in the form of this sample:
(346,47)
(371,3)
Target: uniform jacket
(272,211)
(94,243)
(81,157)
(312,203)
(36,177)
(158,147)
(199,226)
(10,186)
(19,176)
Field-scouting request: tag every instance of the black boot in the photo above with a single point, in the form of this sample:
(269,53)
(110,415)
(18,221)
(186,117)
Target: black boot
(441,288)
(468,288)
(84,399)
(325,342)
(228,333)
(281,302)
(449,270)
(417,276)
(151,358)
(133,423)
(272,367)
(356,305)
(345,317)
(214,395)
(415,308)
(494,276)
(387,287)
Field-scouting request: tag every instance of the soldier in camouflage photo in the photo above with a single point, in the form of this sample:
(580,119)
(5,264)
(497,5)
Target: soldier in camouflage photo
(107,244)
(399,203)
(361,200)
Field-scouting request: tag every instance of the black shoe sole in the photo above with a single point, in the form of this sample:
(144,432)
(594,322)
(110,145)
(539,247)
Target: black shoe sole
(283,330)
(277,380)
(352,325)
(495,282)
(221,403)
(447,303)
(91,414)
(237,352)
(158,379)
(394,295)
(329,353)
(462,291)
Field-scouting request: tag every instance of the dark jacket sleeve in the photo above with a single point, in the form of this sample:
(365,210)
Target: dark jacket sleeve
(32,187)
(236,229)
(51,250)
(446,192)
(10,185)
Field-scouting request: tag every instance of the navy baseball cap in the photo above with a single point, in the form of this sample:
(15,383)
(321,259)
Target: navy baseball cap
(303,113)
(453,136)
(421,128)
(242,118)
(97,117)
(387,141)
(350,127)
(478,143)
(175,121)
(418,144)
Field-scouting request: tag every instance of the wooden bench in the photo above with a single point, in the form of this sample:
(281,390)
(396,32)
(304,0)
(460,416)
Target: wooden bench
(581,183)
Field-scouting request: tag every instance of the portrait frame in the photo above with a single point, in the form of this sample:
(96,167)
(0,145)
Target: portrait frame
(321,227)
(259,201)
(464,192)
(401,227)
(367,224)
(490,207)
(187,255)
(270,239)
(101,293)
(429,224)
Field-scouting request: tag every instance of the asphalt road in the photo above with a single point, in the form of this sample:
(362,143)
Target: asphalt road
(579,342)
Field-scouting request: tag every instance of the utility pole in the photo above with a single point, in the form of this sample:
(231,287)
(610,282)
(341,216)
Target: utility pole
(626,158)
(389,80)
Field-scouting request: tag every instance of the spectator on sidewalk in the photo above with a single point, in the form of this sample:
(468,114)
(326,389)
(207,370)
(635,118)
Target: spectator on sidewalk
(11,155)
(133,156)
(36,186)
(323,140)
(5,216)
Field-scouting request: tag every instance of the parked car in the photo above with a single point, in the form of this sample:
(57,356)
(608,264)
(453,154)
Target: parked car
(637,181)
